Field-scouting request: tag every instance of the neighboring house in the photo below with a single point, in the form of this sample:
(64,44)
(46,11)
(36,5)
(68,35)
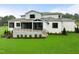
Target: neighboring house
(35,23)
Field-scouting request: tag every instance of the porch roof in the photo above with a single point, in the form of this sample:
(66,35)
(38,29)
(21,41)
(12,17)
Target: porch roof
(49,19)
(57,19)
(21,20)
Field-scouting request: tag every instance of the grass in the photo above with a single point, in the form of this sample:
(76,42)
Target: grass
(53,44)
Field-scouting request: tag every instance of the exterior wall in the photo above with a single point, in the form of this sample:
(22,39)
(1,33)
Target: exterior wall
(69,26)
(16,23)
(53,16)
(37,15)
(11,29)
(49,28)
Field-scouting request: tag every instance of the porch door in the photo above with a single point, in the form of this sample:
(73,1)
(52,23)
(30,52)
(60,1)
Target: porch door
(38,26)
(26,25)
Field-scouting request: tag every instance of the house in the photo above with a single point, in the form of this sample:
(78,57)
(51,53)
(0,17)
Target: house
(36,24)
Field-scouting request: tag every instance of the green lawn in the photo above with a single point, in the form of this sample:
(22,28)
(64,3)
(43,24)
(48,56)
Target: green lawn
(53,44)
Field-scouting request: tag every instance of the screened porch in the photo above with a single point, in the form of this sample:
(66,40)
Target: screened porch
(32,26)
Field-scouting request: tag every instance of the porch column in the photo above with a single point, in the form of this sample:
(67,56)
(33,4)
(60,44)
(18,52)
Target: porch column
(32,25)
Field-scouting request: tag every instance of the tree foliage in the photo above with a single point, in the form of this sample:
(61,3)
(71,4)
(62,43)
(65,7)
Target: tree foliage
(71,16)
(4,20)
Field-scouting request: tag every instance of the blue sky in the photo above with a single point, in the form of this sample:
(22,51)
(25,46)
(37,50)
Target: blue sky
(18,9)
(42,7)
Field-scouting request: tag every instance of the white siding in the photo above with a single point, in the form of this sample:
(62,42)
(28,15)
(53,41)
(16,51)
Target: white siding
(69,26)
(49,28)
(11,29)
(16,23)
(37,15)
(53,16)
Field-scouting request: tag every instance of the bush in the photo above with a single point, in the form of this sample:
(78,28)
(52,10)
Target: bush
(17,36)
(21,36)
(35,35)
(64,31)
(25,36)
(77,30)
(40,35)
(5,32)
(30,36)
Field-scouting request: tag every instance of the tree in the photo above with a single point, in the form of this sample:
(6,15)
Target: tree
(67,15)
(1,21)
(76,16)
(10,17)
(6,18)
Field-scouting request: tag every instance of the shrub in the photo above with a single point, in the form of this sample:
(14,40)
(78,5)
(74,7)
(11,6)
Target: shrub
(64,31)
(77,30)
(17,36)
(40,35)
(35,35)
(30,36)
(21,36)
(5,32)
(25,36)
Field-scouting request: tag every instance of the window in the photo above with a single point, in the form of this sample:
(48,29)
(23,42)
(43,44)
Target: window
(54,25)
(32,16)
(11,24)
(59,16)
(47,23)
(18,24)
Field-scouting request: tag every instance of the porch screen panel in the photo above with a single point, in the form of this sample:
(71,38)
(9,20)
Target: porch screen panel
(38,26)
(26,25)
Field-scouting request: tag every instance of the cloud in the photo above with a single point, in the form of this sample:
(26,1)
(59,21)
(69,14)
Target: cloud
(72,9)
(16,13)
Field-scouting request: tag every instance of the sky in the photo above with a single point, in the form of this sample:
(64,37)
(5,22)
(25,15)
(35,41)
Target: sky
(21,9)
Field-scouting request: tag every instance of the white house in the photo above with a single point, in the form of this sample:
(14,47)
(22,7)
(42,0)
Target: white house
(35,23)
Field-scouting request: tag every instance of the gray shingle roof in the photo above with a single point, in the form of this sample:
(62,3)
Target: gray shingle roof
(50,13)
(44,13)
(21,19)
(49,19)
(57,19)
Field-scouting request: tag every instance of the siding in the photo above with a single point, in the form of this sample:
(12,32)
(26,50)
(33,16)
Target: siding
(49,28)
(37,15)
(69,26)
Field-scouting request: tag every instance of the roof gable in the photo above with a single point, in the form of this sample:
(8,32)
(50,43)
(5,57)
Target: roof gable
(32,11)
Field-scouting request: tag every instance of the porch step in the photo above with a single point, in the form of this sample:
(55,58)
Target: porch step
(44,33)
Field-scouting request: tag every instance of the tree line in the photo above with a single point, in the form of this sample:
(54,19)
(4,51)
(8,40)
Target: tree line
(71,16)
(4,20)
